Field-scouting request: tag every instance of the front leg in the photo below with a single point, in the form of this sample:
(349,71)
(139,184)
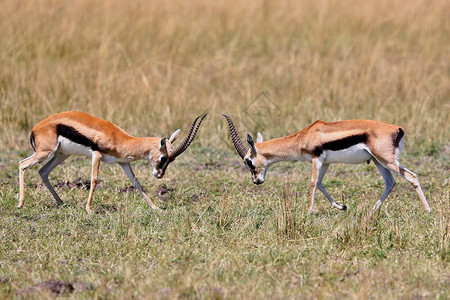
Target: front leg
(316,165)
(127,169)
(96,157)
(322,172)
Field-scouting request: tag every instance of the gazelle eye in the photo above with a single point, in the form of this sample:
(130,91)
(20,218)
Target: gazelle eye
(163,159)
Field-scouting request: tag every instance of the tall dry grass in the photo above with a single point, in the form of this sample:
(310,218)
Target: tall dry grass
(152,66)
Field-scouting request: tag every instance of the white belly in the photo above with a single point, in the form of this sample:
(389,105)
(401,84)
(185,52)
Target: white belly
(353,155)
(68,147)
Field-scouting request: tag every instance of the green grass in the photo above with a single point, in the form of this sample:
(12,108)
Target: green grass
(220,236)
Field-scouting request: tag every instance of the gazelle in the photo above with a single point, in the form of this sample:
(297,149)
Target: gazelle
(323,143)
(77,133)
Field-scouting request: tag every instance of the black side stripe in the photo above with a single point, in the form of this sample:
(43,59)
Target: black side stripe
(75,136)
(33,145)
(340,144)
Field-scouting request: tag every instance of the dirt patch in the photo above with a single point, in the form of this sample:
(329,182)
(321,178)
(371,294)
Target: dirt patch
(106,209)
(163,192)
(208,166)
(127,189)
(79,183)
(349,275)
(24,216)
(195,194)
(198,196)
(56,287)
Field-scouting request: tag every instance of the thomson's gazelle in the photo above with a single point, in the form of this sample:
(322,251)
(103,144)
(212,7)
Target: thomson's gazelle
(323,143)
(77,133)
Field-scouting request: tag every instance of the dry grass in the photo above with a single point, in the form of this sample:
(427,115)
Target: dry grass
(219,236)
(276,66)
(151,66)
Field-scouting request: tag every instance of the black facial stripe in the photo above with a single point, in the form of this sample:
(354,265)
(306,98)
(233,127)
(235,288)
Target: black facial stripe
(341,144)
(163,160)
(75,136)
(161,165)
(249,163)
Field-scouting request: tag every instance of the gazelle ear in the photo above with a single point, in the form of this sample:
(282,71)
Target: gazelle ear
(174,135)
(163,147)
(259,138)
(251,143)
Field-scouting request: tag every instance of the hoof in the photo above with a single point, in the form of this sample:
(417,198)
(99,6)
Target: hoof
(344,207)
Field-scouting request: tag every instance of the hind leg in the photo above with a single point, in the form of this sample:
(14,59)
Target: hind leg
(389,183)
(23,166)
(412,178)
(47,169)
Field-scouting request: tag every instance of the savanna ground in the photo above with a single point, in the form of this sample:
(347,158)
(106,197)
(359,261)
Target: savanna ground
(151,67)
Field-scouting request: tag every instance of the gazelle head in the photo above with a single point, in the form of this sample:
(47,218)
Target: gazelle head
(256,162)
(163,155)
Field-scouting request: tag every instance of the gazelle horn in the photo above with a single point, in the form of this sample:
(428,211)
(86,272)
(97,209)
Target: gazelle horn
(235,138)
(189,138)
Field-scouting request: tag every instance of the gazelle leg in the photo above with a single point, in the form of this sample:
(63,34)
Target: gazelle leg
(322,172)
(23,166)
(127,169)
(96,157)
(412,178)
(388,181)
(316,166)
(47,169)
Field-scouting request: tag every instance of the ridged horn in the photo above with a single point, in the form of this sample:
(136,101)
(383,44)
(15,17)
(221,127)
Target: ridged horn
(235,138)
(189,138)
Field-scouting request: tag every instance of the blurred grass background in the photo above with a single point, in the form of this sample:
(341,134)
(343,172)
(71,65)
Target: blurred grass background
(152,66)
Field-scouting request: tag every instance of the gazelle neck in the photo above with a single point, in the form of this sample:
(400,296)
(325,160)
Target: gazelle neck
(286,148)
(140,147)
